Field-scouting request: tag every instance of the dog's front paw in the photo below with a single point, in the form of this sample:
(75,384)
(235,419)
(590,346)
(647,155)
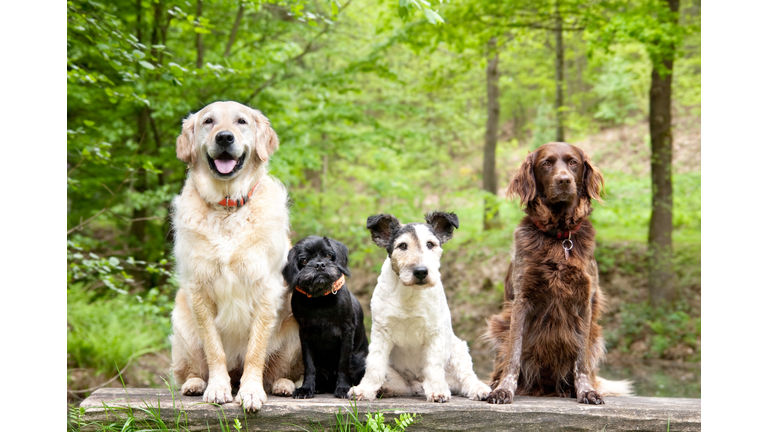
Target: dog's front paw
(193,387)
(251,396)
(362,393)
(341,392)
(437,393)
(590,397)
(500,396)
(479,392)
(283,387)
(303,393)
(218,392)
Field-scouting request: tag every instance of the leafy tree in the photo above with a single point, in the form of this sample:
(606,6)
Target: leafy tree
(655,24)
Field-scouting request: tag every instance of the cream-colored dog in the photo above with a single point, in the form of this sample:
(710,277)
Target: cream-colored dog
(232,313)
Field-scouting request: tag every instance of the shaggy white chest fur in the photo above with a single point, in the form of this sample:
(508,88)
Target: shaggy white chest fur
(412,318)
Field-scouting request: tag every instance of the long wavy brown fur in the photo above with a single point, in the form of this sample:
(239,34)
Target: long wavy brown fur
(552,293)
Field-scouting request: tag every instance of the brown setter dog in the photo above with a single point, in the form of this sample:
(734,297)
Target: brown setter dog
(547,339)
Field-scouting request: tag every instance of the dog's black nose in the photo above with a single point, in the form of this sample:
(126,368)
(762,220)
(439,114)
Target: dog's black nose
(225,138)
(320,266)
(420,272)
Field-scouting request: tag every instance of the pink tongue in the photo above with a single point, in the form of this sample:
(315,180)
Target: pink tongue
(225,166)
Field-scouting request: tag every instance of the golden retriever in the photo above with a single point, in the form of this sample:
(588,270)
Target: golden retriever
(232,320)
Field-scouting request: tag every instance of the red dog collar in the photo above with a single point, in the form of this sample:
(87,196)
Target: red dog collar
(334,289)
(555,233)
(240,201)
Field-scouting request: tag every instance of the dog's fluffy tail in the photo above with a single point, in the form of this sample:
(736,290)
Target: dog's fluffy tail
(614,388)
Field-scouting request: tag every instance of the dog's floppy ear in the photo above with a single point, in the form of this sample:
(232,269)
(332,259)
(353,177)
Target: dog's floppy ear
(382,227)
(266,137)
(443,224)
(291,269)
(592,182)
(342,253)
(185,143)
(523,184)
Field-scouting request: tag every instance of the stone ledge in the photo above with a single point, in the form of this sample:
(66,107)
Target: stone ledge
(460,414)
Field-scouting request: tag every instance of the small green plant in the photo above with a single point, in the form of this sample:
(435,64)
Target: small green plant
(348,421)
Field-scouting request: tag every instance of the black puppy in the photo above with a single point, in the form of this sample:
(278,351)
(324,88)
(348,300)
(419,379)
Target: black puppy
(333,341)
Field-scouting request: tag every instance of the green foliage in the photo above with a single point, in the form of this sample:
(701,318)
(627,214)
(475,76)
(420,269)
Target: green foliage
(627,212)
(102,333)
(348,421)
(659,328)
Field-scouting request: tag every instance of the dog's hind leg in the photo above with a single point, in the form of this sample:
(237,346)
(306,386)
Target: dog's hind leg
(460,376)
(395,384)
(284,364)
(190,370)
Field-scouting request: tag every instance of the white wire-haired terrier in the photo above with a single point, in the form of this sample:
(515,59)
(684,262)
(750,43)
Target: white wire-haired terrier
(413,349)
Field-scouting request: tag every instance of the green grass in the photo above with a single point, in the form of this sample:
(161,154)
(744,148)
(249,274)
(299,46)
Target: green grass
(148,419)
(104,331)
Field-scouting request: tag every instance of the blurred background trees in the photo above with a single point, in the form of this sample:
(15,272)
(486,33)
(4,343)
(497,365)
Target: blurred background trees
(398,107)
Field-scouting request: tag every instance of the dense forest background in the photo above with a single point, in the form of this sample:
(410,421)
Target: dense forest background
(398,107)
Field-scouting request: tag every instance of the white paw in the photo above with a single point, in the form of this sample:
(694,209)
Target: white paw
(218,392)
(283,387)
(479,391)
(437,392)
(362,392)
(251,396)
(193,387)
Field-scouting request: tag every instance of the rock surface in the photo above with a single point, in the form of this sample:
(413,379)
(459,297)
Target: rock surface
(460,414)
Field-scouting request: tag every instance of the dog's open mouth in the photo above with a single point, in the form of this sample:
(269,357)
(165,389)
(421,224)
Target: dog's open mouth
(225,164)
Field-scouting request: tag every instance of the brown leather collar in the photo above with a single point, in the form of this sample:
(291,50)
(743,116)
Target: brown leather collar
(240,201)
(560,235)
(334,289)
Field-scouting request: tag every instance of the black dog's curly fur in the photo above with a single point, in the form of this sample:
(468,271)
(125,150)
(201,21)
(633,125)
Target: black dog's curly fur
(333,341)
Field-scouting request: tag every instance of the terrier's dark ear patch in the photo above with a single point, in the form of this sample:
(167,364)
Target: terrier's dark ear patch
(382,227)
(342,253)
(291,269)
(442,224)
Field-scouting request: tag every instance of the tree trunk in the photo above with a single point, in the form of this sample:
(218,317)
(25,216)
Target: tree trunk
(491,209)
(661,272)
(559,74)
(139,223)
(199,63)
(235,26)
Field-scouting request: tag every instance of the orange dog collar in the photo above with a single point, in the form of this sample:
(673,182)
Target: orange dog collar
(334,289)
(240,201)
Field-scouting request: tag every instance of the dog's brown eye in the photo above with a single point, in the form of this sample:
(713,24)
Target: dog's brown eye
(208,121)
(573,162)
(303,262)
(545,163)
(242,121)
(430,245)
(327,256)
(402,246)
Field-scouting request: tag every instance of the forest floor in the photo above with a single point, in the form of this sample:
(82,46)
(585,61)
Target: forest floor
(659,349)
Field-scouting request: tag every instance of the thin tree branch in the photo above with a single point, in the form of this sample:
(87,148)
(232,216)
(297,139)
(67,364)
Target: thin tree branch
(307,49)
(233,33)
